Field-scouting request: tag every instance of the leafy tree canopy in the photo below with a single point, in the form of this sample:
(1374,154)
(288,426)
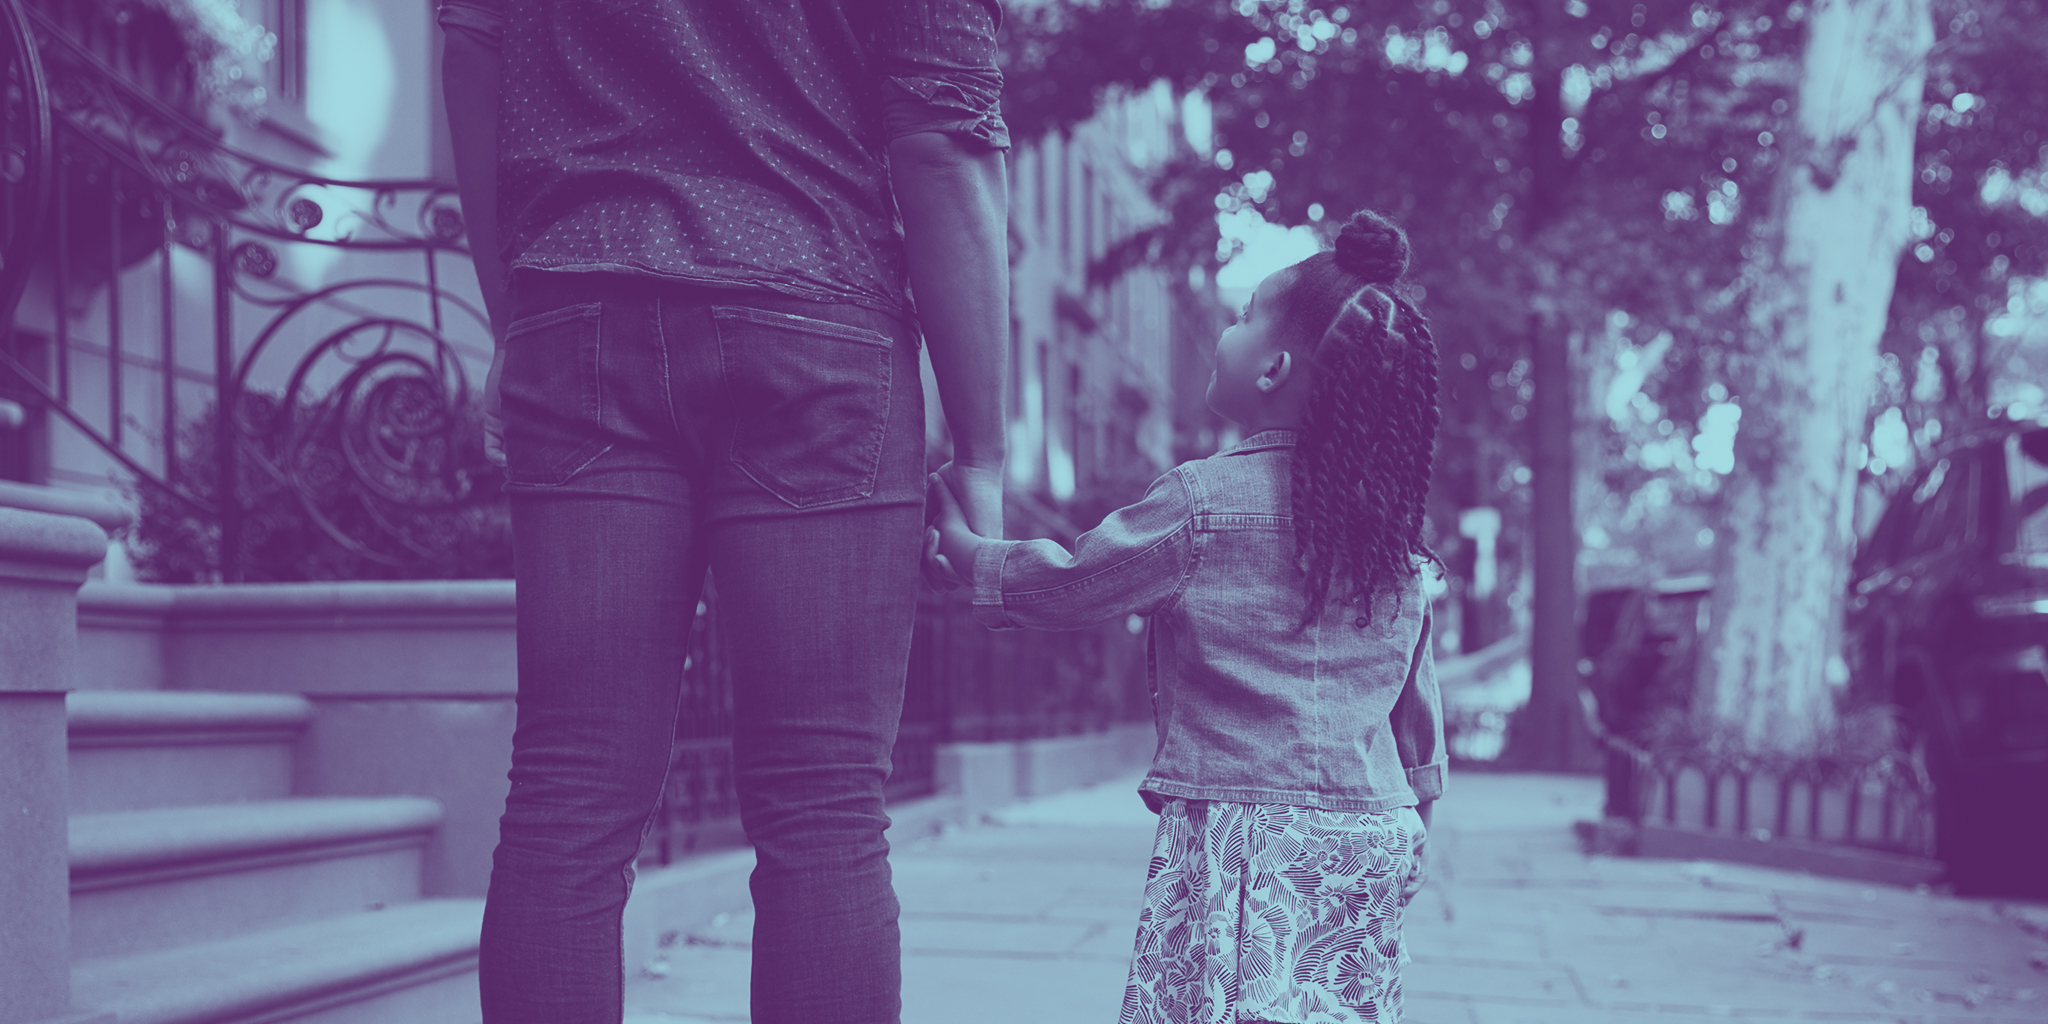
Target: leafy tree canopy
(1589,166)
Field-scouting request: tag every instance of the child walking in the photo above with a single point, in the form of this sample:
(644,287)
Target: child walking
(1300,729)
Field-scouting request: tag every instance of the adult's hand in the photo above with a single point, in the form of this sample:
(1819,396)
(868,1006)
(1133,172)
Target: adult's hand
(952,195)
(494,416)
(978,490)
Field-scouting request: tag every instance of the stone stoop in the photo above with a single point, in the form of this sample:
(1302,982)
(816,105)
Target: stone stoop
(202,891)
(412,964)
(134,749)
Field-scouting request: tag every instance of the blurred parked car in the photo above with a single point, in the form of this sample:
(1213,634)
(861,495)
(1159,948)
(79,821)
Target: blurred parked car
(1948,620)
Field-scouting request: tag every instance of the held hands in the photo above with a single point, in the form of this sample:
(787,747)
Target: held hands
(963,505)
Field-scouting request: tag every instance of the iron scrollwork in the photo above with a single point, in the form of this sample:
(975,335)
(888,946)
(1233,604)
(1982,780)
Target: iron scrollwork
(350,398)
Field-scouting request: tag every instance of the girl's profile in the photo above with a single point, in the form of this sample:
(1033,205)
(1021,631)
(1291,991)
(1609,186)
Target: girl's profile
(1300,728)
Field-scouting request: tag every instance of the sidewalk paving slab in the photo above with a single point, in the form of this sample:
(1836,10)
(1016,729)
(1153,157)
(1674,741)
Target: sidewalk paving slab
(1029,916)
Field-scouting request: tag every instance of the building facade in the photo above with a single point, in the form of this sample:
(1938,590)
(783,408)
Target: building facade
(1109,350)
(262,194)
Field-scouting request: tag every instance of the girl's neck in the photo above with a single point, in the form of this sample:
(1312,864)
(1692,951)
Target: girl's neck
(1278,421)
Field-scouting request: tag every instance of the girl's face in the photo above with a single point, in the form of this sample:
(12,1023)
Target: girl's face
(1251,350)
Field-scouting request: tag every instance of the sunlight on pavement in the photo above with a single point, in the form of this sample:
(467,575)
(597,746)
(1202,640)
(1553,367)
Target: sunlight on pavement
(1027,916)
(1110,803)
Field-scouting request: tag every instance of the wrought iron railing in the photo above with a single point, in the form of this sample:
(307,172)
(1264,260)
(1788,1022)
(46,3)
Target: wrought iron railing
(155,285)
(965,684)
(222,329)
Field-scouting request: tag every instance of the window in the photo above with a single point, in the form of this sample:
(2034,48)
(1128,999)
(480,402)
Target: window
(288,22)
(24,448)
(1038,173)
(1089,222)
(1066,206)
(1084,460)
(1942,514)
(1016,360)
(2026,486)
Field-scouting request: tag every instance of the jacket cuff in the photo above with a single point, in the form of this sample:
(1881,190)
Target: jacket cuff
(988,585)
(1427,781)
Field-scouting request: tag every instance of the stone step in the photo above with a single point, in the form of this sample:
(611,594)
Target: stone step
(169,876)
(136,749)
(408,964)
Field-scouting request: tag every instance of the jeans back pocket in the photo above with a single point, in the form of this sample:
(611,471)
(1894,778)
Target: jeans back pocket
(809,401)
(552,394)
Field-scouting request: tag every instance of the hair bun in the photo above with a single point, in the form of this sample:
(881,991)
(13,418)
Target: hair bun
(1373,248)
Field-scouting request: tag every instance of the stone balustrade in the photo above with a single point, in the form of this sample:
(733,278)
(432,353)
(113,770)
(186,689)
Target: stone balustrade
(44,558)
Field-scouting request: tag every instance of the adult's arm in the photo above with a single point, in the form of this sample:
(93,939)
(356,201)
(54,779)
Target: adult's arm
(941,98)
(953,196)
(469,90)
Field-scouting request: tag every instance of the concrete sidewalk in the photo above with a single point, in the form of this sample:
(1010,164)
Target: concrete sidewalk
(1029,917)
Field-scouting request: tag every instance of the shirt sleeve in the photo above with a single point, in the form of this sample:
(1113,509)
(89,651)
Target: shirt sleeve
(1134,563)
(1418,720)
(937,61)
(482,20)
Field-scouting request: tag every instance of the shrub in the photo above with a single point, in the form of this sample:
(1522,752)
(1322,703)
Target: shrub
(399,490)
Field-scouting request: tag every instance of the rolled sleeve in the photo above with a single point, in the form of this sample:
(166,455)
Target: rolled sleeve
(1418,720)
(988,584)
(1135,563)
(937,60)
(1427,781)
(482,20)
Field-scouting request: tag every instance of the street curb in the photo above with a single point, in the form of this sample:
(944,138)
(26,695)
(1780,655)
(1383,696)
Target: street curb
(1617,836)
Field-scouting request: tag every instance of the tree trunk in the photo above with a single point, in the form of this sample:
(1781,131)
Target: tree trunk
(1819,285)
(1550,732)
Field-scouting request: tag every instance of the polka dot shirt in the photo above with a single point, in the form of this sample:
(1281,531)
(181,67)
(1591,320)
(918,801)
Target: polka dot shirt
(726,142)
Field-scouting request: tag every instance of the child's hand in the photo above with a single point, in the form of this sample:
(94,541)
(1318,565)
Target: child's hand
(942,507)
(938,570)
(949,542)
(1418,855)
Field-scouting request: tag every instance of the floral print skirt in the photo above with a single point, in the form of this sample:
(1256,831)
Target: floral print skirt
(1266,912)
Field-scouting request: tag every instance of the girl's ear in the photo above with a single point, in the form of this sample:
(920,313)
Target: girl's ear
(1276,373)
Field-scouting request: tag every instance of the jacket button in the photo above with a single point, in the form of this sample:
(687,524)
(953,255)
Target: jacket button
(1359,622)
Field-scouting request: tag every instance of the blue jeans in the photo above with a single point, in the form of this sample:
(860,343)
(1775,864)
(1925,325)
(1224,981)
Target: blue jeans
(654,430)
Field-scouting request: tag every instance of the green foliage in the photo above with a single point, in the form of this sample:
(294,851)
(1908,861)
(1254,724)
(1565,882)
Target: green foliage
(347,516)
(1554,164)
(1981,222)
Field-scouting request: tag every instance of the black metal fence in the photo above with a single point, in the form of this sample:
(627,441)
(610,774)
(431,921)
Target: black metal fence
(154,287)
(1884,803)
(155,315)
(965,685)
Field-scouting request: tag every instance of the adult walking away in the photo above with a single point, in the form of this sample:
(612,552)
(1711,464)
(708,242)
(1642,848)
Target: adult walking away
(684,214)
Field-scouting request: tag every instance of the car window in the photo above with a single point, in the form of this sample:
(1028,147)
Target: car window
(2026,485)
(1881,548)
(1941,513)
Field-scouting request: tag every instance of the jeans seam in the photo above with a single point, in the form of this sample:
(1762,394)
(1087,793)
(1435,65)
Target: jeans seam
(597,375)
(668,389)
(630,871)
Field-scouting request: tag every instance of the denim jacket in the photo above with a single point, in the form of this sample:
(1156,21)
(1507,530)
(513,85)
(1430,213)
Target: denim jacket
(1344,715)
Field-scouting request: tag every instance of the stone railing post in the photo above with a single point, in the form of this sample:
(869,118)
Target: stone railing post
(43,559)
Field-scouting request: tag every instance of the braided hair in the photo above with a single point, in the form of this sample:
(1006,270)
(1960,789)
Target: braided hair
(1361,468)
